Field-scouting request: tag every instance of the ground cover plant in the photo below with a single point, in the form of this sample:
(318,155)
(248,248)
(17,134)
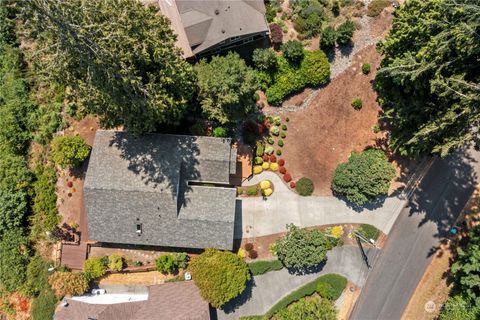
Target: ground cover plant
(364,177)
(220,275)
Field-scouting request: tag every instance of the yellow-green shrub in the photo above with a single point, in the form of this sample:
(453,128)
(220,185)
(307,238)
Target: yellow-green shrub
(274,166)
(265,184)
(267,192)
(265,166)
(257,169)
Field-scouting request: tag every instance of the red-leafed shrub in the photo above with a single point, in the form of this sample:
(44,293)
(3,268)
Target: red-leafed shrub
(253,254)
(266,157)
(287,177)
(282,170)
(273,158)
(276,35)
(281,162)
(292,184)
(70,184)
(248,246)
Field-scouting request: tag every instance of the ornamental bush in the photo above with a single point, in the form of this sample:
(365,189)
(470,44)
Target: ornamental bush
(287,177)
(276,35)
(264,266)
(283,170)
(366,68)
(280,143)
(305,187)
(273,158)
(328,38)
(257,169)
(313,307)
(265,166)
(264,59)
(302,248)
(270,140)
(284,127)
(274,166)
(279,152)
(68,151)
(116,262)
(220,132)
(260,149)
(68,283)
(258,160)
(293,51)
(345,32)
(94,267)
(275,130)
(281,162)
(220,276)
(283,135)
(363,177)
(277,121)
(269,150)
(357,103)
(166,264)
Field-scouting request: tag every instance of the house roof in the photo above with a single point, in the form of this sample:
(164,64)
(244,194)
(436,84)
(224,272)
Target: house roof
(173,301)
(202,24)
(175,187)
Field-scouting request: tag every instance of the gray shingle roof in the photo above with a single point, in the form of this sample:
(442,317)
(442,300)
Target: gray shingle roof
(146,181)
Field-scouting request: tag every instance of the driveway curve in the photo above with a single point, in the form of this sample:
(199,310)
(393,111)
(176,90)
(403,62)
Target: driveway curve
(264,217)
(267,289)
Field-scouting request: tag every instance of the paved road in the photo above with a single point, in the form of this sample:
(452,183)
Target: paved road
(268,289)
(421,225)
(260,218)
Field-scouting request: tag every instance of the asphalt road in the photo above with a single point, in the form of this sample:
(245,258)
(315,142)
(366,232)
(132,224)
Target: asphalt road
(431,211)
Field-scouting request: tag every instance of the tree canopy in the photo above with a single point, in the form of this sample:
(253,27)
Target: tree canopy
(226,88)
(364,177)
(118,56)
(13,260)
(429,79)
(302,248)
(220,275)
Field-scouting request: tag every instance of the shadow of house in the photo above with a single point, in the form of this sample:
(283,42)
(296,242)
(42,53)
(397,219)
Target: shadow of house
(161,190)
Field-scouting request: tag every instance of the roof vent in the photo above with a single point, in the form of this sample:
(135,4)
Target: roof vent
(217,12)
(223,30)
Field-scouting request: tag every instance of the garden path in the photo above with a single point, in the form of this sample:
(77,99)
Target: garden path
(264,217)
(269,288)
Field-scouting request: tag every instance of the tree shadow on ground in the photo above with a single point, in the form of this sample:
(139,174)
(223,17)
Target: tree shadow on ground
(245,296)
(444,192)
(307,270)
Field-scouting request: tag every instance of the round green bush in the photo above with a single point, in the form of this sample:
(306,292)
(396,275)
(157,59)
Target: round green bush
(366,68)
(280,143)
(357,103)
(284,127)
(305,187)
(69,152)
(116,262)
(220,275)
(279,152)
(283,135)
(270,140)
(220,132)
(166,264)
(293,51)
(258,160)
(264,59)
(277,121)
(275,130)
(94,267)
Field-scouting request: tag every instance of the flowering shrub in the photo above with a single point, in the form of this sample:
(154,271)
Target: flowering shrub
(283,170)
(292,184)
(287,177)
(273,158)
(281,162)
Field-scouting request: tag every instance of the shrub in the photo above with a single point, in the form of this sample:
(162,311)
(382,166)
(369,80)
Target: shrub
(253,254)
(68,283)
(283,135)
(305,187)
(94,267)
(293,51)
(265,166)
(279,152)
(274,166)
(301,248)
(369,231)
(376,128)
(13,260)
(366,68)
(270,119)
(314,70)
(267,192)
(280,143)
(314,307)
(364,177)
(270,140)
(276,35)
(336,232)
(357,103)
(287,177)
(269,150)
(273,158)
(264,59)
(257,169)
(258,160)
(283,170)
(116,262)
(260,149)
(166,264)
(43,307)
(181,260)
(220,276)
(265,184)
(328,38)
(277,121)
(287,119)
(262,267)
(274,130)
(220,132)
(248,246)
(252,191)
(345,32)
(293,184)
(242,253)
(69,152)
(284,127)
(281,162)
(376,7)
(266,157)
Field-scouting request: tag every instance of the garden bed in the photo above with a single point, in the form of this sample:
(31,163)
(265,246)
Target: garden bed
(256,190)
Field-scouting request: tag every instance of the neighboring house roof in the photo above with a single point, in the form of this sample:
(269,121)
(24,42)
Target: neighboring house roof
(159,181)
(202,24)
(172,301)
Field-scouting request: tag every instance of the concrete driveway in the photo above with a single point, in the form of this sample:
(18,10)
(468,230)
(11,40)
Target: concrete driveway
(266,290)
(264,217)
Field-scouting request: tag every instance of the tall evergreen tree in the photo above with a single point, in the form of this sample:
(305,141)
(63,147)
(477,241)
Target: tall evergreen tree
(429,83)
(118,56)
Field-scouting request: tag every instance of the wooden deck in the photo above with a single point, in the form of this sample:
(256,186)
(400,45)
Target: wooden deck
(73,256)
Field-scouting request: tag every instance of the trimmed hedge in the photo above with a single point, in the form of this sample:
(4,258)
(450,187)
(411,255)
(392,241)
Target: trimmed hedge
(314,70)
(261,267)
(337,282)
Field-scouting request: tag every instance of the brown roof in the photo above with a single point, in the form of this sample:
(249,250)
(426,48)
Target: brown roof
(172,301)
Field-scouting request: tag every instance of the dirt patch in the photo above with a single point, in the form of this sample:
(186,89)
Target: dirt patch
(324,134)
(381,24)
